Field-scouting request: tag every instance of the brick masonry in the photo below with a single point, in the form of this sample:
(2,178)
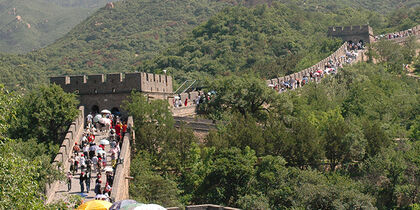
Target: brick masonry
(97,92)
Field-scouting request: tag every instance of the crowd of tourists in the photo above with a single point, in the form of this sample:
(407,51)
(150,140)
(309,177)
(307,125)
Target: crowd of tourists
(396,35)
(90,155)
(331,67)
(200,98)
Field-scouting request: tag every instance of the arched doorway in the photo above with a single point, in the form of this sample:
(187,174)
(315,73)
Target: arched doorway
(95,109)
(115,111)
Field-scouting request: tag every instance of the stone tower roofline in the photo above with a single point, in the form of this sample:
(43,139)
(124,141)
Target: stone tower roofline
(115,83)
(352,33)
(350,30)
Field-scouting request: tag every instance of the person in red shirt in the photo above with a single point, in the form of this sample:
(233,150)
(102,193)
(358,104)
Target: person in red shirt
(118,128)
(91,138)
(124,129)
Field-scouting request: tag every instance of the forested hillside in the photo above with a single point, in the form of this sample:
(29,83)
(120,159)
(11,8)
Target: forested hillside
(124,37)
(349,142)
(26,25)
(266,41)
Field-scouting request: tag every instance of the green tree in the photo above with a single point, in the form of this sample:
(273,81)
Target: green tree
(19,187)
(153,122)
(228,179)
(335,129)
(247,95)
(150,187)
(44,114)
(302,146)
(8,101)
(240,132)
(377,138)
(392,175)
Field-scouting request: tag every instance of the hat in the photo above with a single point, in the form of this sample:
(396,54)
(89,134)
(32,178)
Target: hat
(82,155)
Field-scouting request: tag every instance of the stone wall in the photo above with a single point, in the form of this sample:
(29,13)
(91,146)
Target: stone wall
(115,83)
(353,33)
(73,134)
(204,207)
(338,55)
(120,188)
(97,92)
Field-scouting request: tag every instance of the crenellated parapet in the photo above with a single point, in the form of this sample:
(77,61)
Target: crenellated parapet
(352,33)
(115,83)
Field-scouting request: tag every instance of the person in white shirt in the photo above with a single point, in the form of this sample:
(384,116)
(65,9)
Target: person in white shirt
(94,162)
(82,162)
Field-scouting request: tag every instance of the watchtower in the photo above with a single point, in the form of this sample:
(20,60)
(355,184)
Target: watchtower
(97,92)
(354,34)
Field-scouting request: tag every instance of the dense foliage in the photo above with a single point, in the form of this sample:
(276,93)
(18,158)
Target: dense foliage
(31,129)
(267,41)
(349,142)
(122,38)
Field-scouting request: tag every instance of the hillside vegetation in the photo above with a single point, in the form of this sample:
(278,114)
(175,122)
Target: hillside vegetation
(123,38)
(266,41)
(26,25)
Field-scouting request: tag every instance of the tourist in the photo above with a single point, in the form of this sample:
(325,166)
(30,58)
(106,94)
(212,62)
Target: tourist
(94,162)
(87,180)
(118,128)
(76,163)
(98,187)
(71,163)
(92,150)
(76,149)
(107,189)
(89,119)
(69,176)
(86,150)
(104,160)
(89,165)
(82,162)
(82,181)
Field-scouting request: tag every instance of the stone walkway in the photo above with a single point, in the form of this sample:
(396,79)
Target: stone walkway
(63,194)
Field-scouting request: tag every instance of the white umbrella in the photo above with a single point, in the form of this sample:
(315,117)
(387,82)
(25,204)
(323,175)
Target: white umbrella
(101,151)
(105,121)
(104,142)
(97,118)
(271,85)
(108,169)
(105,111)
(176,97)
(101,197)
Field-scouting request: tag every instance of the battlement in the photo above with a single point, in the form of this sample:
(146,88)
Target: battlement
(349,30)
(115,83)
(352,33)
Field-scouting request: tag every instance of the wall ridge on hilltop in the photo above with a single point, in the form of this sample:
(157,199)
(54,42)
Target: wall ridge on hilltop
(350,33)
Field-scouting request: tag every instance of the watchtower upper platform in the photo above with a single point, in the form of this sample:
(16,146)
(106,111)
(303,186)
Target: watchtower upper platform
(353,33)
(115,83)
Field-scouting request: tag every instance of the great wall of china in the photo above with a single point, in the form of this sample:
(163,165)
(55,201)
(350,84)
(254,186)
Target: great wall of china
(111,92)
